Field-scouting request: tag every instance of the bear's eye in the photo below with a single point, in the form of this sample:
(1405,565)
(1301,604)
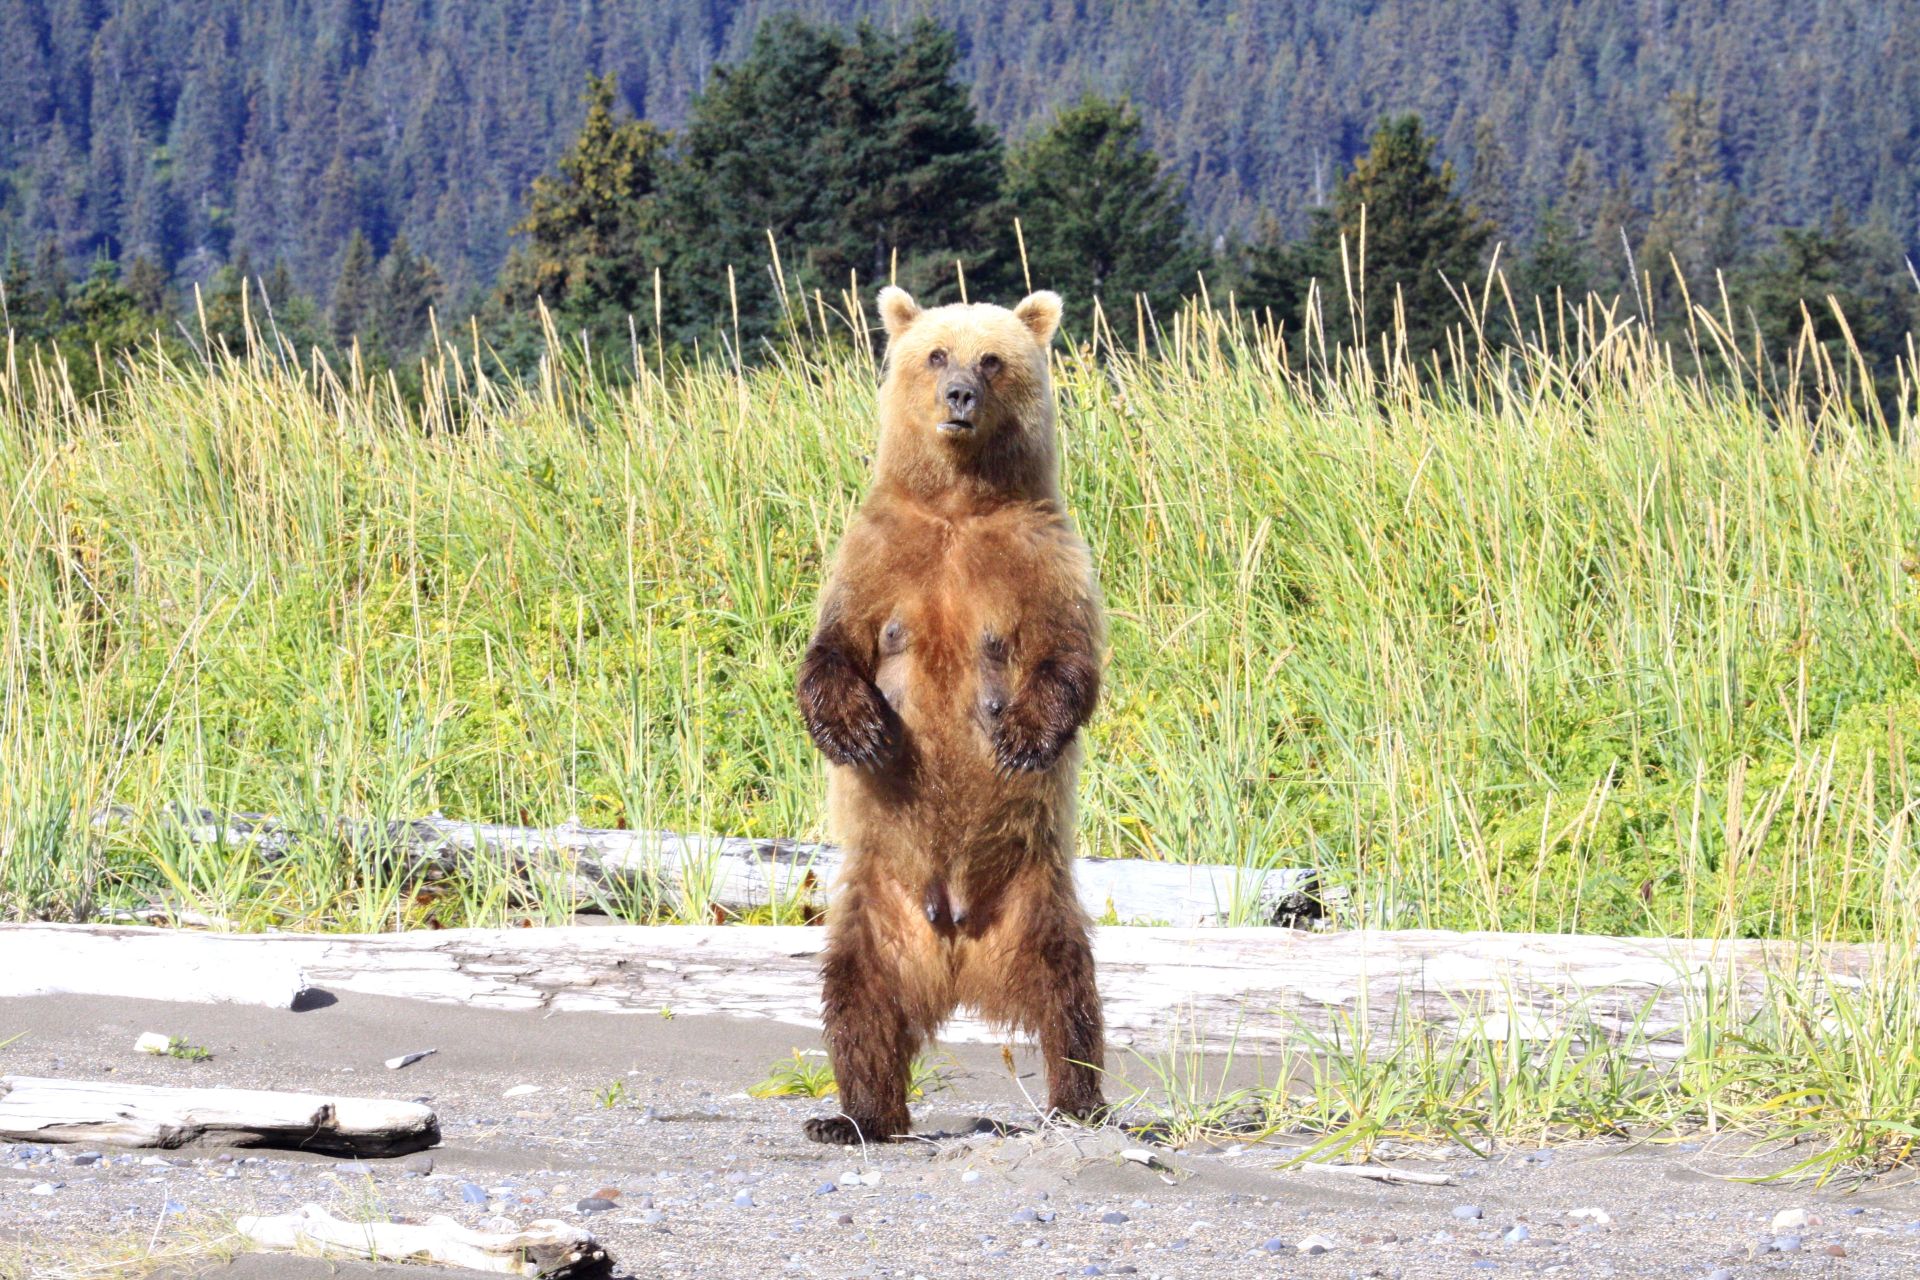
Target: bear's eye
(989,365)
(937,358)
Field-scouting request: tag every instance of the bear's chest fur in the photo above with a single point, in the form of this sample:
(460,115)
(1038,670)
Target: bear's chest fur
(957,601)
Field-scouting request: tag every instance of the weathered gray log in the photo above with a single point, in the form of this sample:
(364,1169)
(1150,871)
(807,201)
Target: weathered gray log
(1205,988)
(739,874)
(40,1110)
(547,1247)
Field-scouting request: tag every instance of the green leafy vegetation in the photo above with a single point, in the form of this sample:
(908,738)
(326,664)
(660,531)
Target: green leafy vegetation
(808,1074)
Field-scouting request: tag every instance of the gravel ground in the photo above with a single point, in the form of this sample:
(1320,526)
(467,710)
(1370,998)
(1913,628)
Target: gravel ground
(687,1176)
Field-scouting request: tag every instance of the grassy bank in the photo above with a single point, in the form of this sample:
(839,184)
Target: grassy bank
(1570,640)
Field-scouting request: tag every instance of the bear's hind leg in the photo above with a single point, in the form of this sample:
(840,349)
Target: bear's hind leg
(1047,986)
(868,1037)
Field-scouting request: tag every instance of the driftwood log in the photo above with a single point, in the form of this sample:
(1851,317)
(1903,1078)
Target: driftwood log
(547,1248)
(1257,989)
(129,1115)
(738,874)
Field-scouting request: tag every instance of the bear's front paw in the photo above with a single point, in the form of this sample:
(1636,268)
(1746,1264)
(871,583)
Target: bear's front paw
(847,718)
(1023,743)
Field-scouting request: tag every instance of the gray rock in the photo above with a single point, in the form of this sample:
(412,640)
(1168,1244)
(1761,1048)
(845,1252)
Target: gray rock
(1720,1273)
(1275,1245)
(1026,1215)
(421,1164)
(1114,1219)
(87,1157)
(1787,1244)
(1518,1235)
(743,1200)
(595,1204)
(826,1188)
(1467,1212)
(355,1167)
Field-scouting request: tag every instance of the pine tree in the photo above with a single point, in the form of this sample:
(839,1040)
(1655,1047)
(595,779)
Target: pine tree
(355,292)
(1421,244)
(1100,216)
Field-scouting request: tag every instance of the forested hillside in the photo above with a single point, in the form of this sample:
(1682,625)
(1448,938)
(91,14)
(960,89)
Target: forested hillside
(186,134)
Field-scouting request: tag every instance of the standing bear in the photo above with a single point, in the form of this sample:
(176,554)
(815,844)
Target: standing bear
(956,656)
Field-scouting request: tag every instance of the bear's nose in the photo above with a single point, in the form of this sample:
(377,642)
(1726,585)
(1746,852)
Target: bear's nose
(960,401)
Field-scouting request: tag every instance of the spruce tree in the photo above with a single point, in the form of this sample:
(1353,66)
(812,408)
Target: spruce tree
(1421,243)
(355,292)
(1791,290)
(592,242)
(860,154)
(409,289)
(1100,216)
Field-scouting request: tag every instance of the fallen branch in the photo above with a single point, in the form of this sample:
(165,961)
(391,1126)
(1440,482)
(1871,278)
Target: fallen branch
(1379,1173)
(40,1110)
(1206,988)
(737,874)
(548,1248)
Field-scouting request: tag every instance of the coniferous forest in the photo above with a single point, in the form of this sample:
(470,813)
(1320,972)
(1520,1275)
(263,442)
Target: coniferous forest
(364,163)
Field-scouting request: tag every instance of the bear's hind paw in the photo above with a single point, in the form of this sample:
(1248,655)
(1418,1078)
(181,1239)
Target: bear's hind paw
(840,1131)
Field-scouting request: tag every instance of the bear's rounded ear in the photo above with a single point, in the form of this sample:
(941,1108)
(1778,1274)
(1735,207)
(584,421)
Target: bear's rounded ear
(897,310)
(1040,312)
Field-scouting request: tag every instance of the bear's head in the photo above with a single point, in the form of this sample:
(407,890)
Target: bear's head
(968,400)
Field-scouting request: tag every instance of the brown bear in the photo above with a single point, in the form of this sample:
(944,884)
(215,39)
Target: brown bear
(957,654)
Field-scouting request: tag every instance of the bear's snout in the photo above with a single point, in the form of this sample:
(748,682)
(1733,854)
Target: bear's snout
(959,398)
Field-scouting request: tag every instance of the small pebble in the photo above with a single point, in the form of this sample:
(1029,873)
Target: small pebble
(845,1219)
(1836,1251)
(355,1167)
(1466,1212)
(1275,1245)
(43,1188)
(594,1204)
(1026,1215)
(1518,1235)
(1115,1218)
(1786,1244)
(743,1200)
(1313,1246)
(1788,1221)
(1091,1270)
(421,1164)
(473,1194)
(1720,1273)
(972,1175)
(87,1157)
(653,1217)
(826,1188)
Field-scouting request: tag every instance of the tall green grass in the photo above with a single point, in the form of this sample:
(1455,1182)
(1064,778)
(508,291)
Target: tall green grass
(1556,636)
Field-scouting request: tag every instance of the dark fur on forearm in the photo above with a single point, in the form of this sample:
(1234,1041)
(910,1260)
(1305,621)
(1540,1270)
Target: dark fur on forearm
(1056,698)
(847,717)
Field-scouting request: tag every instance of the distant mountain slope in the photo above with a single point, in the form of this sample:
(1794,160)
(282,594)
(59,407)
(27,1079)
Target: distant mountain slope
(191,132)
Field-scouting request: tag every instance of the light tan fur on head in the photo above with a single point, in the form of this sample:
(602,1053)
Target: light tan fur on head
(1010,451)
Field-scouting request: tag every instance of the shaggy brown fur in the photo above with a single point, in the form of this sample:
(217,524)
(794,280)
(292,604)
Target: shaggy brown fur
(956,657)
